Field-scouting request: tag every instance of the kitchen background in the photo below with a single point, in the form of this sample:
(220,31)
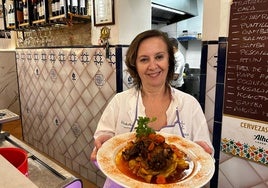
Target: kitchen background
(61,92)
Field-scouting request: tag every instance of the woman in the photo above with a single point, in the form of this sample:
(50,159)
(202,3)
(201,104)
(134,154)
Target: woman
(150,62)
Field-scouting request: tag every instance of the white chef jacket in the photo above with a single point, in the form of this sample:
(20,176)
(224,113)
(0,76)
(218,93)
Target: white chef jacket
(120,114)
(179,69)
(127,106)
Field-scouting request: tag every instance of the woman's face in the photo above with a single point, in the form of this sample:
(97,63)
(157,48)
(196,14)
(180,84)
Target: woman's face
(152,62)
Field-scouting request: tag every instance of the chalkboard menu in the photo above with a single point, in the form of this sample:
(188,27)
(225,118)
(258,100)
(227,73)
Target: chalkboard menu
(246,84)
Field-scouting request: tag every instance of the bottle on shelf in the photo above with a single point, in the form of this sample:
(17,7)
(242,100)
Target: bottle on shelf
(11,16)
(62,10)
(8,15)
(41,9)
(83,7)
(54,5)
(53,8)
(19,11)
(25,11)
(74,5)
(57,7)
(35,10)
(69,5)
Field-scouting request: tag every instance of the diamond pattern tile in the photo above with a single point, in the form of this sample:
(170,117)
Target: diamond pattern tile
(63,93)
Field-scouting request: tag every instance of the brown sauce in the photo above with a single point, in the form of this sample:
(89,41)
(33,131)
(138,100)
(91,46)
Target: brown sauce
(122,165)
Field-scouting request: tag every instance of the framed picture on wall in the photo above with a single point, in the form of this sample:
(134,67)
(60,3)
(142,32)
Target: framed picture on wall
(103,11)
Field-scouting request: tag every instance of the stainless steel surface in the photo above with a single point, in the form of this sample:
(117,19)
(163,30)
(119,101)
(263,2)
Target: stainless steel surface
(42,171)
(164,12)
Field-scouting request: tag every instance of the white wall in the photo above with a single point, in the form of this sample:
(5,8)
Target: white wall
(131,18)
(211,20)
(216,19)
(135,18)
(193,53)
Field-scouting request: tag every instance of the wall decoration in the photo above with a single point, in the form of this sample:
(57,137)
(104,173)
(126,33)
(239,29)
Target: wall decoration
(52,57)
(37,72)
(29,57)
(36,57)
(53,74)
(74,76)
(98,58)
(73,57)
(62,58)
(99,80)
(103,12)
(85,57)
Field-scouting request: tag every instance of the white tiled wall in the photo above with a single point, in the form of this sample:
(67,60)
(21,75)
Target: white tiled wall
(211,85)
(63,92)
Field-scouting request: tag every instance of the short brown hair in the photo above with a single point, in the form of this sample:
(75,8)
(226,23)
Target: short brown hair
(131,55)
(174,42)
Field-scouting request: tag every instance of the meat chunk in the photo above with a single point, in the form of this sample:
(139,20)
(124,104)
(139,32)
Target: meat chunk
(153,150)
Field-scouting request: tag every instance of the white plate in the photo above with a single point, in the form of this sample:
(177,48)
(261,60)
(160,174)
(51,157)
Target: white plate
(201,169)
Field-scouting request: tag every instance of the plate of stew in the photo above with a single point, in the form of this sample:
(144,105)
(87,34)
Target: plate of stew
(160,159)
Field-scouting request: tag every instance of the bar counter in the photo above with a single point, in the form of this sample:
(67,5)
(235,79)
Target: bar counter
(43,172)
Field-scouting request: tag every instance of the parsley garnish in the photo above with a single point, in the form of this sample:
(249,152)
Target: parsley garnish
(143,129)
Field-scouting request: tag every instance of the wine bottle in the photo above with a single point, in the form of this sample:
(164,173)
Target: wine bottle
(69,5)
(25,11)
(38,9)
(53,8)
(83,7)
(62,10)
(6,14)
(35,10)
(19,11)
(12,16)
(74,4)
(9,15)
(57,7)
(41,10)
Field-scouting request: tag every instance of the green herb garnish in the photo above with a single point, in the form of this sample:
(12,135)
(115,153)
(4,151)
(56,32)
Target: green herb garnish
(143,129)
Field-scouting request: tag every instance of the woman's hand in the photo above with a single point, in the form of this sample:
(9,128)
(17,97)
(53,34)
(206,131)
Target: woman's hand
(98,143)
(205,146)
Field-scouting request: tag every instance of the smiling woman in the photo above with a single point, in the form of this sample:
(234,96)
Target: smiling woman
(150,62)
(142,39)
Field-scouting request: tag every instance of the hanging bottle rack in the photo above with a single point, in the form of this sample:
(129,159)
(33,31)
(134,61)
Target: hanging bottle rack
(27,14)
